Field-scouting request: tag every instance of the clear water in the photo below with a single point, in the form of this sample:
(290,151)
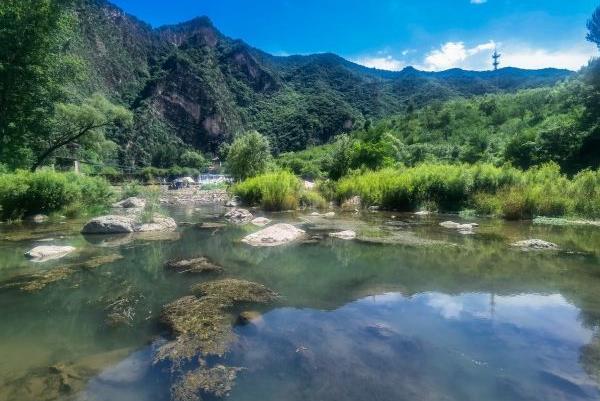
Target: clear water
(356,320)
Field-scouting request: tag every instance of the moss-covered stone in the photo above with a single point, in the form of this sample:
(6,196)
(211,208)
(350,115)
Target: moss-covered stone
(195,265)
(234,290)
(217,381)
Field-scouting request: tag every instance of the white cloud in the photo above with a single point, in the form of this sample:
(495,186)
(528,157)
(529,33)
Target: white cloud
(571,58)
(454,54)
(381,62)
(478,1)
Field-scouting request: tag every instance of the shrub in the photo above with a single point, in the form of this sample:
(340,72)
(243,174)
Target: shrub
(26,193)
(131,189)
(249,155)
(312,199)
(275,191)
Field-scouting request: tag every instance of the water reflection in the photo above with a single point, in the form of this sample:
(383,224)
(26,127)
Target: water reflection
(471,319)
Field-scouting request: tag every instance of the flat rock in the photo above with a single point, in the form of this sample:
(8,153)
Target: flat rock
(345,235)
(278,234)
(461,227)
(48,252)
(260,221)
(110,224)
(210,226)
(158,223)
(535,244)
(423,213)
(131,203)
(239,216)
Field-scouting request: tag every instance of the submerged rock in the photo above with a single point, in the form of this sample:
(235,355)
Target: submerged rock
(535,244)
(111,224)
(131,203)
(217,381)
(459,226)
(345,235)
(278,234)
(195,265)
(423,213)
(234,290)
(202,324)
(39,281)
(248,317)
(239,216)
(48,252)
(210,226)
(260,221)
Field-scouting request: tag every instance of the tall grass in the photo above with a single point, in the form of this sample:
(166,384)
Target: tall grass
(25,193)
(273,191)
(504,191)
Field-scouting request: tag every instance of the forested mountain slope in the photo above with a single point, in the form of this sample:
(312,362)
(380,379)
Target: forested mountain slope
(188,84)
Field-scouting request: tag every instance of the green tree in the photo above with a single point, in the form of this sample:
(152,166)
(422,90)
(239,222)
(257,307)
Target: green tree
(340,159)
(249,155)
(33,69)
(193,159)
(71,122)
(593,26)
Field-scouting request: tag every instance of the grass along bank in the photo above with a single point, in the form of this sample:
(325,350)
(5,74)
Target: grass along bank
(502,191)
(276,191)
(24,193)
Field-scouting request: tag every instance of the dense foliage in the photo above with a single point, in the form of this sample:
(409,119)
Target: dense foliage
(504,191)
(249,155)
(24,193)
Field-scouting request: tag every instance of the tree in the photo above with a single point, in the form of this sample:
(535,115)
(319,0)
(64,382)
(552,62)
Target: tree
(341,157)
(249,155)
(72,122)
(193,159)
(33,70)
(593,26)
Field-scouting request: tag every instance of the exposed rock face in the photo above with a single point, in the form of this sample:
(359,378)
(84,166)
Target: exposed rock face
(48,252)
(110,224)
(536,244)
(133,202)
(353,203)
(239,216)
(278,234)
(195,265)
(345,235)
(260,221)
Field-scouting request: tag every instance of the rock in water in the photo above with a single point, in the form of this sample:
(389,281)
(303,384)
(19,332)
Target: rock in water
(131,203)
(345,235)
(278,234)
(110,224)
(196,265)
(38,218)
(260,221)
(158,223)
(536,244)
(48,252)
(239,216)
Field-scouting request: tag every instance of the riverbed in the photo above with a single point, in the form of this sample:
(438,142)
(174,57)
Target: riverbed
(408,310)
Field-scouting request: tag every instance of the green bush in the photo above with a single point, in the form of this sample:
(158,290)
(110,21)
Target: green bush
(312,199)
(274,191)
(25,193)
(131,189)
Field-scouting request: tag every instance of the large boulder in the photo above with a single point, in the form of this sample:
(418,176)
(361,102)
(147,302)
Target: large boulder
(110,224)
(535,244)
(131,203)
(239,216)
(278,234)
(48,252)
(158,223)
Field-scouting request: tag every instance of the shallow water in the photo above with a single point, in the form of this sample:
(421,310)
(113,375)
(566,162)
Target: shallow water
(430,314)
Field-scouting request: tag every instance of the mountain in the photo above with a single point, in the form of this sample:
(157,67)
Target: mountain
(191,85)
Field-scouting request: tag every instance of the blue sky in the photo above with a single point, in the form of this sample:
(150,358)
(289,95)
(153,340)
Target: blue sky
(391,34)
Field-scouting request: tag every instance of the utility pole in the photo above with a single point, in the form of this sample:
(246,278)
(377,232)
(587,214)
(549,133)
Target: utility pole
(496,57)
